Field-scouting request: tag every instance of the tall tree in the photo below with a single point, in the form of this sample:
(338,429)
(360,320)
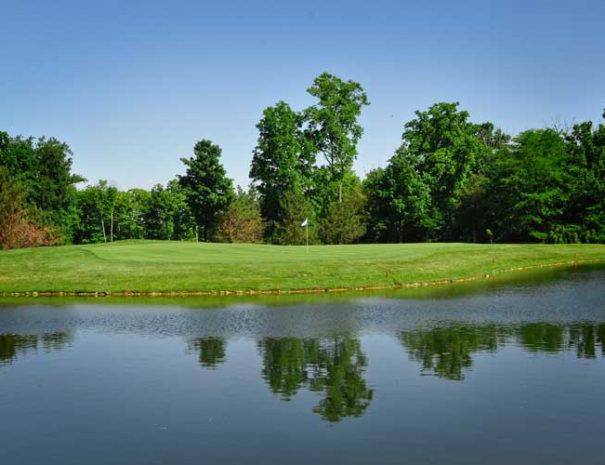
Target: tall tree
(586,206)
(282,161)
(242,222)
(444,148)
(345,222)
(416,197)
(528,188)
(207,188)
(18,156)
(16,228)
(97,206)
(333,123)
(183,220)
(54,178)
(398,202)
(43,168)
(130,207)
(162,208)
(296,209)
(470,218)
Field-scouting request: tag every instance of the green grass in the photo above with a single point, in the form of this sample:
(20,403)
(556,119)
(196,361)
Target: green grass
(159,266)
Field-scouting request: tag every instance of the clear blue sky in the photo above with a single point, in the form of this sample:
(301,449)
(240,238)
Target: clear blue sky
(132,85)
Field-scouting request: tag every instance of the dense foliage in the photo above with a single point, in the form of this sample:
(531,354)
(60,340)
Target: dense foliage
(451,179)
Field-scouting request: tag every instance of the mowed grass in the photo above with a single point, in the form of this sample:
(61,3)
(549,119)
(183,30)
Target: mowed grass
(160,266)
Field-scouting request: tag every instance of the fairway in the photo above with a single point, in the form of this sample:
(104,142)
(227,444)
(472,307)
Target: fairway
(164,267)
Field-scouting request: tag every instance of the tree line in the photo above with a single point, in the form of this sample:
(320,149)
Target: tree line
(451,179)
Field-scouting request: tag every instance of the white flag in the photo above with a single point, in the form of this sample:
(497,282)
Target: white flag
(306,222)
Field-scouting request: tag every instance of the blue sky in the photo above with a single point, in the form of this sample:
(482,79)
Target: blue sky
(132,85)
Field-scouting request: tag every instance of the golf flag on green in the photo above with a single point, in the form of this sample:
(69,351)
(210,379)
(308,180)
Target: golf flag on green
(305,224)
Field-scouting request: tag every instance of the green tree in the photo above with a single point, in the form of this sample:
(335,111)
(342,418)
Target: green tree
(242,222)
(417,196)
(528,187)
(471,216)
(11,206)
(96,205)
(586,206)
(52,190)
(207,188)
(42,168)
(345,222)
(16,228)
(18,157)
(282,160)
(182,217)
(398,202)
(167,214)
(130,208)
(296,207)
(443,147)
(333,123)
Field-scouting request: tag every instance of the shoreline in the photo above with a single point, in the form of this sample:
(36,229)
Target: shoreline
(301,291)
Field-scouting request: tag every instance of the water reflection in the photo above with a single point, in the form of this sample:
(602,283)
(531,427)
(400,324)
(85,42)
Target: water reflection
(211,350)
(447,351)
(13,345)
(585,338)
(334,366)
(331,366)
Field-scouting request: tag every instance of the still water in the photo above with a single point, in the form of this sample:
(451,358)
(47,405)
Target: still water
(514,373)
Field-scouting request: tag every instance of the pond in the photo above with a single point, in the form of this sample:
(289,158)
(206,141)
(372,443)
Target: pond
(510,373)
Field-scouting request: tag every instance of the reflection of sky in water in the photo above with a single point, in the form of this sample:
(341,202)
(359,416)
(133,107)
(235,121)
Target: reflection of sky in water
(514,374)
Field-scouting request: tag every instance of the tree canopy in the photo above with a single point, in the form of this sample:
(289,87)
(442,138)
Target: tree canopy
(207,188)
(450,179)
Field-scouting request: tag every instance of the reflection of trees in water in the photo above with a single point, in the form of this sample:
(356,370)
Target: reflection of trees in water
(285,364)
(337,371)
(332,366)
(447,351)
(585,338)
(211,350)
(11,345)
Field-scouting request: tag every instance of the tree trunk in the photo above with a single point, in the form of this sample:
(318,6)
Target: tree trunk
(103,228)
(197,234)
(340,192)
(111,229)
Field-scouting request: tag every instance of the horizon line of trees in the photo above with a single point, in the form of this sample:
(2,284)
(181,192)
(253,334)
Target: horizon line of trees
(451,179)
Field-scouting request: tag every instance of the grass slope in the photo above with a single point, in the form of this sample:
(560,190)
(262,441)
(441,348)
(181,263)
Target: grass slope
(160,266)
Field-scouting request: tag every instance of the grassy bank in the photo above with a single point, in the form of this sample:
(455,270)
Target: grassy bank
(159,266)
